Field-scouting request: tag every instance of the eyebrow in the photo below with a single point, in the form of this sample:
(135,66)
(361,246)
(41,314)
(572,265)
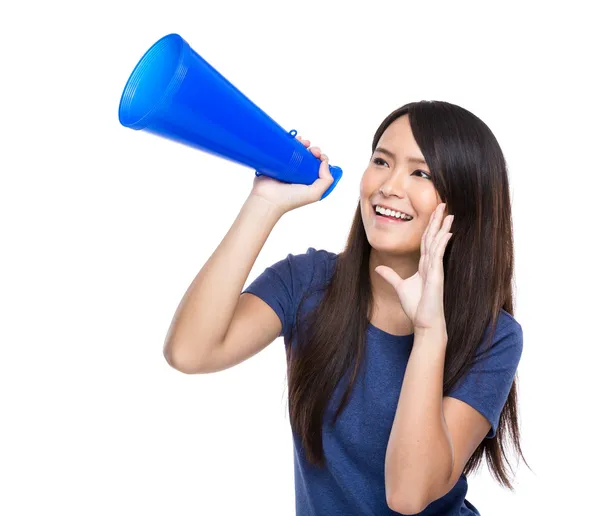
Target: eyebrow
(392,155)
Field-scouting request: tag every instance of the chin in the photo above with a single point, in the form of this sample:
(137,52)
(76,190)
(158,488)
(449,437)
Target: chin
(388,244)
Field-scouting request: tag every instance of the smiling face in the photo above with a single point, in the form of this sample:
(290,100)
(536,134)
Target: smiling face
(402,181)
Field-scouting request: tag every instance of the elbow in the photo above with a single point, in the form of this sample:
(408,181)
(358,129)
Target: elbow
(178,361)
(407,501)
(406,504)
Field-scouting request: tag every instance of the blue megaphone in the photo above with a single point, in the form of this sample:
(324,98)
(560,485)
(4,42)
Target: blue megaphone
(174,93)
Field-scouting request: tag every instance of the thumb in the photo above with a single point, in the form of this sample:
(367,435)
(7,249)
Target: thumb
(324,171)
(389,275)
(325,178)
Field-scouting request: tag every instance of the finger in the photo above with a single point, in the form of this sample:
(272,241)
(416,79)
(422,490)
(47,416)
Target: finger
(429,236)
(440,250)
(389,275)
(324,180)
(424,236)
(324,168)
(435,224)
(425,244)
(441,239)
(306,143)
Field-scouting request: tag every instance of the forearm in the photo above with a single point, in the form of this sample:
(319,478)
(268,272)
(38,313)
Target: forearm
(207,307)
(419,456)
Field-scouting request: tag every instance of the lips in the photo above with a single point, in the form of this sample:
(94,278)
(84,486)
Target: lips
(393,209)
(391,220)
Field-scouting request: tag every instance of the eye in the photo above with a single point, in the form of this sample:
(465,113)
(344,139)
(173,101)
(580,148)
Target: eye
(376,160)
(423,172)
(379,161)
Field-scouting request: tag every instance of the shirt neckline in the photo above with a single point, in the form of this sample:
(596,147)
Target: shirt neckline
(384,334)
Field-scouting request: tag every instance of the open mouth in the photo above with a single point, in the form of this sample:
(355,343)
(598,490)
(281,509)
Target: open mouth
(388,218)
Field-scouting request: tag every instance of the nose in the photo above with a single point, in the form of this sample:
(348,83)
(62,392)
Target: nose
(395,183)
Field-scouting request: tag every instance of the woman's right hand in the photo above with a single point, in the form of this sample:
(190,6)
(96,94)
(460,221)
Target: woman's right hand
(289,196)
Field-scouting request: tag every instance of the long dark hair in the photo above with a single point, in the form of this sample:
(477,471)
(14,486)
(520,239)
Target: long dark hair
(470,174)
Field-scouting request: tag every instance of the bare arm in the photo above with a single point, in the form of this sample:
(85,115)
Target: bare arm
(204,314)
(214,327)
(433,436)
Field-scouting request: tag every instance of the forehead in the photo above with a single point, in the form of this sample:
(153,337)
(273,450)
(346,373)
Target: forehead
(398,142)
(398,136)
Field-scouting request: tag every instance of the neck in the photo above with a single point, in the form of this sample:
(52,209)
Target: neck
(404,265)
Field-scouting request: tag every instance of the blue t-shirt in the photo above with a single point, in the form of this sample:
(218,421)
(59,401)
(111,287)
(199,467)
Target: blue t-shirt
(352,481)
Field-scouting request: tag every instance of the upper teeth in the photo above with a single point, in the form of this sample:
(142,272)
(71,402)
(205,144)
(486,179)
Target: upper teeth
(392,213)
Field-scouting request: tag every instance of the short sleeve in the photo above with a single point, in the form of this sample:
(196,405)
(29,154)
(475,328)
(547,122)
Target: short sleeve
(283,284)
(487,384)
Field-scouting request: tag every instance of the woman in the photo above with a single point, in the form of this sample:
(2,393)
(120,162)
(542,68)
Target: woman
(402,350)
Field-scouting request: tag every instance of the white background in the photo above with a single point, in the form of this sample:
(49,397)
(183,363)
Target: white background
(104,228)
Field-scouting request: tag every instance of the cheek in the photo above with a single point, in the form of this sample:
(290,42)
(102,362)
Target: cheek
(425,202)
(363,184)
(367,186)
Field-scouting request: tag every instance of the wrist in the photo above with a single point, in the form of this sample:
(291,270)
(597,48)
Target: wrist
(432,334)
(265,207)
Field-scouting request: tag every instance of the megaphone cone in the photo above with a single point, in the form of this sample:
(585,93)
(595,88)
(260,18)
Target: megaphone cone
(174,93)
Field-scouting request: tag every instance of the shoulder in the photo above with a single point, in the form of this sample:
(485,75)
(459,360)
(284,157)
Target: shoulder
(314,255)
(508,326)
(507,341)
(314,265)
(507,323)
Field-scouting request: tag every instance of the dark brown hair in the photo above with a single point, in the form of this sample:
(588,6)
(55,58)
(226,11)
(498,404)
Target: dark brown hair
(469,172)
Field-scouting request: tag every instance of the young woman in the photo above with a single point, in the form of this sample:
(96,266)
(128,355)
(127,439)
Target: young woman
(402,350)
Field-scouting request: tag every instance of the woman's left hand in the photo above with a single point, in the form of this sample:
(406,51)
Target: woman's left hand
(422,295)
